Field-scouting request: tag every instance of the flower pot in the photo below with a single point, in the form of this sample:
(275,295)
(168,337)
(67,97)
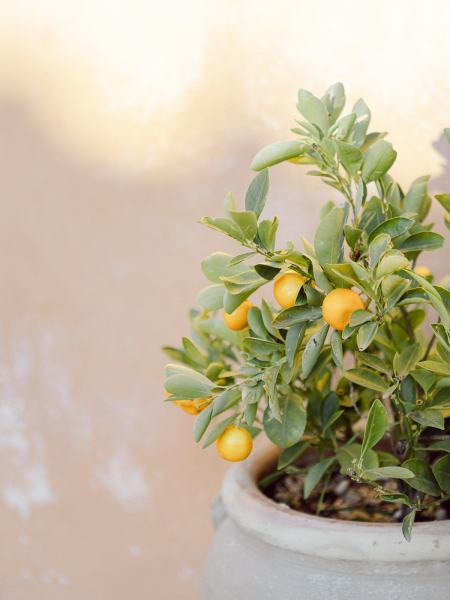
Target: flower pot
(263,550)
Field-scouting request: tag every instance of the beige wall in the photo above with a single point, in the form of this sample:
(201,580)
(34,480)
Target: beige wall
(121,125)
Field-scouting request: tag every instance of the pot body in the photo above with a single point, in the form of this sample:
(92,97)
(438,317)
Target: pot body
(265,551)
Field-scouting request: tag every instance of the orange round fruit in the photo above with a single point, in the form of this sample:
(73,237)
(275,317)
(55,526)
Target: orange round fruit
(234,444)
(423,271)
(339,305)
(193,407)
(237,320)
(286,288)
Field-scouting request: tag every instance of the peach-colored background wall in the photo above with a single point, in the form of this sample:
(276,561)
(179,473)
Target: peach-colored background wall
(121,125)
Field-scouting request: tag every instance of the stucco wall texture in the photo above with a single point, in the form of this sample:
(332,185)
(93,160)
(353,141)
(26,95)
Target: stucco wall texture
(121,125)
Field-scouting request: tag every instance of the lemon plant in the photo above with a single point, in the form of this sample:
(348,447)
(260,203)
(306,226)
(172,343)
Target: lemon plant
(340,338)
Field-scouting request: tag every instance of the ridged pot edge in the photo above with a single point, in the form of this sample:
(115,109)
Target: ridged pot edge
(278,525)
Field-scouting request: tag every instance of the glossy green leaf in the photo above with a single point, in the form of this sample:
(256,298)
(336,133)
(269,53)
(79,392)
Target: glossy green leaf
(276,153)
(255,198)
(315,474)
(293,422)
(378,160)
(441,471)
(312,350)
(423,479)
(211,297)
(388,473)
(377,422)
(313,110)
(329,237)
(366,378)
(297,314)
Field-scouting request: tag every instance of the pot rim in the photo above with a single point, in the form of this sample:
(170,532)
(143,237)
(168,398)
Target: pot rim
(323,537)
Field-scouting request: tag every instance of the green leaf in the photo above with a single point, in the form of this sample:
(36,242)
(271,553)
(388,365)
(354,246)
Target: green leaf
(211,297)
(313,110)
(226,400)
(434,297)
(267,271)
(294,339)
(312,350)
(407,524)
(441,471)
(256,323)
(358,317)
(428,417)
(201,423)
(425,240)
(366,378)
(435,366)
(329,237)
(293,422)
(185,386)
(349,455)
(407,359)
(336,349)
(366,335)
(276,153)
(334,100)
(441,446)
(444,201)
(257,347)
(344,126)
(256,195)
(393,288)
(379,244)
(297,314)
(246,221)
(377,422)
(388,473)
(290,455)
(217,265)
(378,160)
(226,226)
(423,479)
(424,378)
(349,156)
(315,474)
(391,262)
(372,360)
(416,200)
(267,231)
(194,353)
(362,113)
(217,430)
(393,227)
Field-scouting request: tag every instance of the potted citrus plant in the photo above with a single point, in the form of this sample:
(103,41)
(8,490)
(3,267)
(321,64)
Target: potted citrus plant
(339,368)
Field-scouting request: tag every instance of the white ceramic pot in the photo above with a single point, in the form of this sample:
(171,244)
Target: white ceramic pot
(266,551)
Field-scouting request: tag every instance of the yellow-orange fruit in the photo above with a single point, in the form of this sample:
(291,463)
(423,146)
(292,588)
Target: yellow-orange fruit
(286,288)
(422,270)
(237,320)
(234,444)
(193,407)
(339,305)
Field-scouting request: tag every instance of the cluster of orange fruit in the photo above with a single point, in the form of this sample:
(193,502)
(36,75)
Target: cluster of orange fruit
(235,443)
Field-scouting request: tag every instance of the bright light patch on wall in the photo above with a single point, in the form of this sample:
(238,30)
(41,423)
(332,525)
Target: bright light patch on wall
(141,84)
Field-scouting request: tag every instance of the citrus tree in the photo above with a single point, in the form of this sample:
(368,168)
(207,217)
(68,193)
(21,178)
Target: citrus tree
(337,356)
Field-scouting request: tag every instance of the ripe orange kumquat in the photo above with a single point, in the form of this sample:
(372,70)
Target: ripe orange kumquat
(237,320)
(234,444)
(286,288)
(338,306)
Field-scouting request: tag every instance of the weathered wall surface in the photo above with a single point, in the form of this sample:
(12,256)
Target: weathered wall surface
(120,127)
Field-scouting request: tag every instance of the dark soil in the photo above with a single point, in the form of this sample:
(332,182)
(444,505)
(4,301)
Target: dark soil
(347,500)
